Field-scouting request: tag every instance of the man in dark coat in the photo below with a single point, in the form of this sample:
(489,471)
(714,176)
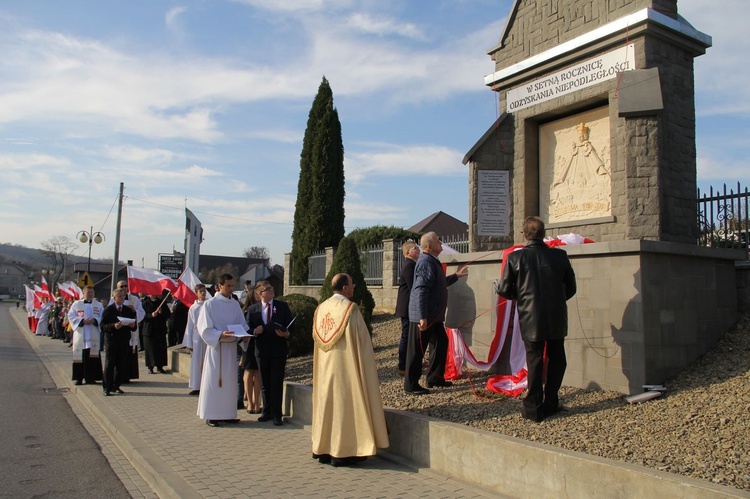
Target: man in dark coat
(154,328)
(117,334)
(405,281)
(269,321)
(541,280)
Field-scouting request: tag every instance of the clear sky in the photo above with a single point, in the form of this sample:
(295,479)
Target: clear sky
(203,103)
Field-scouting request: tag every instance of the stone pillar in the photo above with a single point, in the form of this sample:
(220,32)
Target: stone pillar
(287,270)
(390,258)
(330,252)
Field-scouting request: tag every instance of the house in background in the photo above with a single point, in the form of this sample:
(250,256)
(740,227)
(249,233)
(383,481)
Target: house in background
(442,224)
(250,269)
(13,276)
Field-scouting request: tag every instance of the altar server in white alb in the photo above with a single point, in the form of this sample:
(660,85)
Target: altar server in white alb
(193,341)
(217,402)
(84,317)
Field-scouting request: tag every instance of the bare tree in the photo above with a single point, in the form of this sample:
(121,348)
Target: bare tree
(57,249)
(211,276)
(256,252)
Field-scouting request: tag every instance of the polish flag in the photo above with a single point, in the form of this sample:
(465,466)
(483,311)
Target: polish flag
(38,293)
(45,289)
(77,291)
(29,298)
(186,287)
(149,281)
(63,290)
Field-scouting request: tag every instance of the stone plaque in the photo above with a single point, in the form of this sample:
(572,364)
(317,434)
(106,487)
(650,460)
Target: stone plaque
(493,187)
(574,167)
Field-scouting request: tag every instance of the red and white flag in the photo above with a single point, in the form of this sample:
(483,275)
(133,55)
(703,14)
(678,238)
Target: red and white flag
(46,290)
(38,294)
(186,287)
(77,291)
(29,298)
(64,289)
(149,281)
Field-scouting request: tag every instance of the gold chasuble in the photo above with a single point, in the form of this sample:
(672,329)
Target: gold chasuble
(347,416)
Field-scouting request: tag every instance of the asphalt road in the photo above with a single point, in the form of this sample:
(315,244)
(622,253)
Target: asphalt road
(44,449)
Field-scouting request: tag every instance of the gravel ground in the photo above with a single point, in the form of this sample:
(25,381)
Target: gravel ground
(699,428)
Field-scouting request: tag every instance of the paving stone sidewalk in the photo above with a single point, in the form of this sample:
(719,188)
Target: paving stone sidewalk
(159,448)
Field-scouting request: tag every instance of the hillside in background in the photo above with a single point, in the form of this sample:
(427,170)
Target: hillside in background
(33,257)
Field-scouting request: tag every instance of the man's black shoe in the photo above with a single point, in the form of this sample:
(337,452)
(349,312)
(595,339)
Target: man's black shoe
(323,458)
(195,392)
(548,411)
(264,418)
(79,382)
(162,371)
(212,423)
(347,461)
(537,418)
(119,391)
(232,421)
(418,391)
(278,421)
(106,393)
(441,384)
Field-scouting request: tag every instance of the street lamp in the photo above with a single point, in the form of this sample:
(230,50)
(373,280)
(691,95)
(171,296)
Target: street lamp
(90,237)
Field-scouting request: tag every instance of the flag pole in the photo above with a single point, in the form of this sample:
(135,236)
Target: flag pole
(115,261)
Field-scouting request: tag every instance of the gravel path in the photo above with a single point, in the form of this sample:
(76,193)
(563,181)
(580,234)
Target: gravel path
(700,428)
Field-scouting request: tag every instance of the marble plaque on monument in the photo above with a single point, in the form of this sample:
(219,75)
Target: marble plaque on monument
(574,168)
(492,203)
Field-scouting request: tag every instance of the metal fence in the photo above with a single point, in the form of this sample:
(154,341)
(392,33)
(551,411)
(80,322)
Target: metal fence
(316,271)
(723,218)
(371,259)
(459,242)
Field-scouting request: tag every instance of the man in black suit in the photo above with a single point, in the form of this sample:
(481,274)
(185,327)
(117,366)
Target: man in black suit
(270,320)
(116,341)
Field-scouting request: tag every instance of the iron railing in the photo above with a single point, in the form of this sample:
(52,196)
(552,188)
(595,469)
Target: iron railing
(316,270)
(371,259)
(723,218)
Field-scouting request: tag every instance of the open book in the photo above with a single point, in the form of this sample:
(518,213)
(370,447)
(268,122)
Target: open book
(279,326)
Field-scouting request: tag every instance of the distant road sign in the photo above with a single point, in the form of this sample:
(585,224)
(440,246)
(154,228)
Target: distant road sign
(171,265)
(85,280)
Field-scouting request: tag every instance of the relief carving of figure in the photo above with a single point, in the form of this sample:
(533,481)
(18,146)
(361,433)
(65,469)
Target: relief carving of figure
(581,185)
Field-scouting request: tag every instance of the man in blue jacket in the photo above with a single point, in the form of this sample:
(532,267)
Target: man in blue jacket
(427,303)
(541,280)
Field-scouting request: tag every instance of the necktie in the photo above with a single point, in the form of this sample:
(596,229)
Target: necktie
(268,313)
(119,309)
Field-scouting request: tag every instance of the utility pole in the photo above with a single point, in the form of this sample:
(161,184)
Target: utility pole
(116,261)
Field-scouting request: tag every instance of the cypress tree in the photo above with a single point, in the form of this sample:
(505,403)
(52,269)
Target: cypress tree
(319,211)
(346,261)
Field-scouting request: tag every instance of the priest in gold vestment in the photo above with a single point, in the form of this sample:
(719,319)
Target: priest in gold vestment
(348,423)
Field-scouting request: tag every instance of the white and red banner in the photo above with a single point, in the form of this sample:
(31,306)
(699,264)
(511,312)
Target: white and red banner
(186,287)
(46,290)
(149,281)
(507,323)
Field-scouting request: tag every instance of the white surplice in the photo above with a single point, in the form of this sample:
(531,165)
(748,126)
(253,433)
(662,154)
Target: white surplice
(218,397)
(193,340)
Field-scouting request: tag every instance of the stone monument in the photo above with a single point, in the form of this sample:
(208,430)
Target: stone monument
(597,136)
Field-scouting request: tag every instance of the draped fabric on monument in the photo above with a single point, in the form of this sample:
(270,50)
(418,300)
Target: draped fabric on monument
(514,384)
